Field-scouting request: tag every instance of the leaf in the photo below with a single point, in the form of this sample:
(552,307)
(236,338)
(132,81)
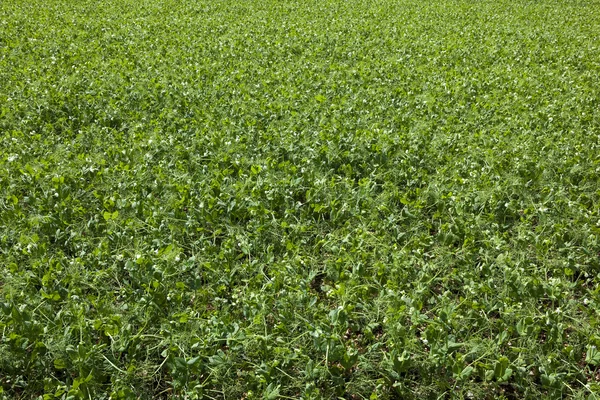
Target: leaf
(402,362)
(193,360)
(60,363)
(466,372)
(592,355)
(501,367)
(349,359)
(110,216)
(453,346)
(271,392)
(54,296)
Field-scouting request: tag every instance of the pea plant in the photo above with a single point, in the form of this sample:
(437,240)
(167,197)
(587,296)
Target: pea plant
(281,199)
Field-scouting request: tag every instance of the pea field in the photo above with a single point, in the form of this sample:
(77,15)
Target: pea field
(285,199)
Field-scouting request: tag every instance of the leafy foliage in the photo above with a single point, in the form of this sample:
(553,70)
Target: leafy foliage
(299,199)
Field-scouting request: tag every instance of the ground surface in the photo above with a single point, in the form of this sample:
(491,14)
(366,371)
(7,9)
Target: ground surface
(268,199)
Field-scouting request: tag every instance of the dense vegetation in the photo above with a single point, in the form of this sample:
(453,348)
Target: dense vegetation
(270,199)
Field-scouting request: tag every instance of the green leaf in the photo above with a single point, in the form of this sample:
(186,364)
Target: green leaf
(193,360)
(501,367)
(466,372)
(54,296)
(402,362)
(60,363)
(592,355)
(110,215)
(271,392)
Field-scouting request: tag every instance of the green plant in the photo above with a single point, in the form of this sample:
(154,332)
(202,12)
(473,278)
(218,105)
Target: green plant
(281,199)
